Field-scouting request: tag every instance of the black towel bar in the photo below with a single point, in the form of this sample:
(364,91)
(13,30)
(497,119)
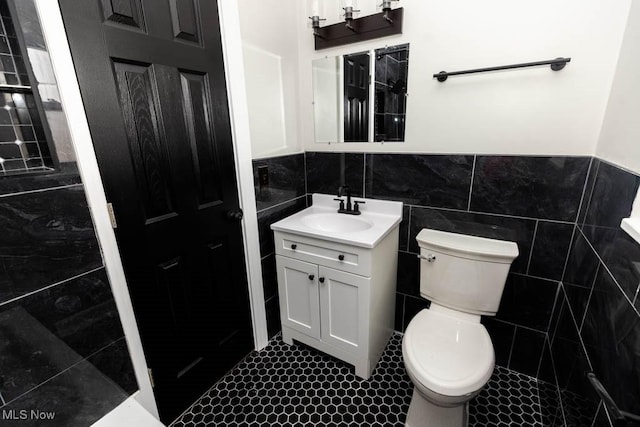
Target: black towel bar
(556,65)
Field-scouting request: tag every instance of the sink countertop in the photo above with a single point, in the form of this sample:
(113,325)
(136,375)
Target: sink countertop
(383,215)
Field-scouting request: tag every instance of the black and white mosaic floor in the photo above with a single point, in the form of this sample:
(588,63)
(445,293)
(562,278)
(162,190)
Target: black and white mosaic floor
(297,385)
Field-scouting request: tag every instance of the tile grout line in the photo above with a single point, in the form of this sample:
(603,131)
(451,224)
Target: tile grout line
(41,190)
(555,221)
(533,245)
(624,294)
(566,260)
(62,282)
(586,307)
(473,174)
(513,340)
(584,190)
(280,204)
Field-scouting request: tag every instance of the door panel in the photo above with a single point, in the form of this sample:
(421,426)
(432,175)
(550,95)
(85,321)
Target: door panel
(152,78)
(356,98)
(299,299)
(343,300)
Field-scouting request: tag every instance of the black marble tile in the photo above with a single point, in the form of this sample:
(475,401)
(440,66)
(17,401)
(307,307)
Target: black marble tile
(274,324)
(527,351)
(527,301)
(269,216)
(588,190)
(563,324)
(399,314)
(67,174)
(550,249)
(502,338)
(29,353)
(413,306)
(546,372)
(621,255)
(582,264)
(611,332)
(550,406)
(491,226)
(269,276)
(114,362)
(78,397)
(328,171)
(535,187)
(48,331)
(426,180)
(612,198)
(404,228)
(408,281)
(286,176)
(46,237)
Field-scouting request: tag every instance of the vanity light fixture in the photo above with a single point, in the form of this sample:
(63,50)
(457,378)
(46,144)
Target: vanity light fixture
(315,17)
(348,14)
(354,30)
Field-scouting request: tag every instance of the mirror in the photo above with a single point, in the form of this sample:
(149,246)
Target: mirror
(342,93)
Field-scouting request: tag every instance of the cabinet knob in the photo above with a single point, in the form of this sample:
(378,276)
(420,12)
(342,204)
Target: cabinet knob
(311,277)
(294,246)
(321,279)
(341,257)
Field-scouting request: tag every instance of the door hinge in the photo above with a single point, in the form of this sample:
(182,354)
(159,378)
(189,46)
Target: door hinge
(112,216)
(150,372)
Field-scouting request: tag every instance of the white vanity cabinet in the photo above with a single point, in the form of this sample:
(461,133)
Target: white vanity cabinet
(336,297)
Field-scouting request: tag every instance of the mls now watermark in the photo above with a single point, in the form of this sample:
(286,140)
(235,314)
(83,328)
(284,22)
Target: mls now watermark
(23,414)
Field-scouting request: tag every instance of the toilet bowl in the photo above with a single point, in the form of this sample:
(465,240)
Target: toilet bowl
(447,352)
(448,358)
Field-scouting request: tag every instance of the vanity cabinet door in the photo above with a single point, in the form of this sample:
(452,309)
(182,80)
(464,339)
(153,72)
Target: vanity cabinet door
(299,299)
(344,306)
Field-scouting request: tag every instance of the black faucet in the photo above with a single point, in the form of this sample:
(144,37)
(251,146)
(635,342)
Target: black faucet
(344,190)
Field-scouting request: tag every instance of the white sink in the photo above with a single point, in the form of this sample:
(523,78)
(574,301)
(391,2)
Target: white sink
(335,222)
(323,221)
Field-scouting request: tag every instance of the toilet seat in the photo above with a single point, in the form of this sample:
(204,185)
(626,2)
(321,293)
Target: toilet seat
(449,355)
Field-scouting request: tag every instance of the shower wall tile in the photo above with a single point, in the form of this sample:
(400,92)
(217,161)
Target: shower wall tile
(286,178)
(328,171)
(516,230)
(48,331)
(114,362)
(425,180)
(535,187)
(46,237)
(79,397)
(550,249)
(588,190)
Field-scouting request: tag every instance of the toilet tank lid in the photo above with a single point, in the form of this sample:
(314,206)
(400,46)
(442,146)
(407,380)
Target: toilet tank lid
(465,244)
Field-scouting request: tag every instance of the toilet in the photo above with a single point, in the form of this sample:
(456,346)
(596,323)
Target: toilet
(447,352)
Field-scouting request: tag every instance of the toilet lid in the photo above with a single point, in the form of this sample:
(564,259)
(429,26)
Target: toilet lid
(448,355)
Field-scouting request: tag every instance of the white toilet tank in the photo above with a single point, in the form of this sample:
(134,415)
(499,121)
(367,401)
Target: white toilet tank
(465,273)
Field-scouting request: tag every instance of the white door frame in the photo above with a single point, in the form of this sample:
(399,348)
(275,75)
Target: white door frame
(59,50)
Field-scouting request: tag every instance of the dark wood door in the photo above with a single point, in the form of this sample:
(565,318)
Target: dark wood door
(152,79)
(356,97)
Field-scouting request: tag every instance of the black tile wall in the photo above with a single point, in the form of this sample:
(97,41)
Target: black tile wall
(438,181)
(59,218)
(528,301)
(285,180)
(596,325)
(538,187)
(60,332)
(283,193)
(328,171)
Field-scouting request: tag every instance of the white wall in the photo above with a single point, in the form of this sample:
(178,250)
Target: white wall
(620,137)
(270,45)
(529,111)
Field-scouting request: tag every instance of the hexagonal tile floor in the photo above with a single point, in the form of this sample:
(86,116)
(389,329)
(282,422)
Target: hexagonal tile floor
(297,385)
